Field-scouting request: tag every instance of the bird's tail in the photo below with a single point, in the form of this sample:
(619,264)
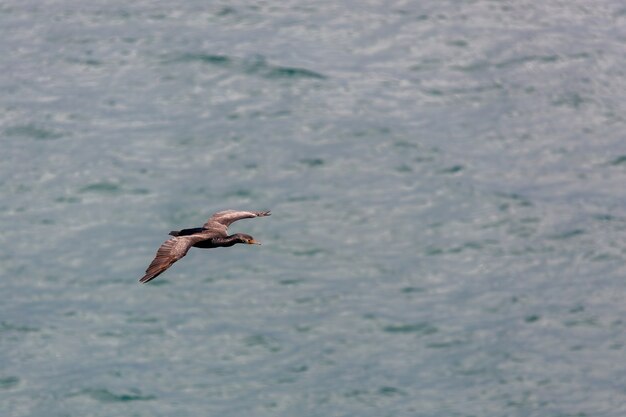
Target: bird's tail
(186,232)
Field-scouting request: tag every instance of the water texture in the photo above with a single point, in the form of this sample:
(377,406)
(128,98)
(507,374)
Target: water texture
(447,186)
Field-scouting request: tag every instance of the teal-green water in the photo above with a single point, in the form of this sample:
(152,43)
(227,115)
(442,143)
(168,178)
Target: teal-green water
(447,186)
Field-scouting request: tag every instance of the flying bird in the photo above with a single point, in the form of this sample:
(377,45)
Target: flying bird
(213,234)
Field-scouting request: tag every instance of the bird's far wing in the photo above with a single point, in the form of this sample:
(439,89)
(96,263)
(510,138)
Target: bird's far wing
(170,251)
(227,217)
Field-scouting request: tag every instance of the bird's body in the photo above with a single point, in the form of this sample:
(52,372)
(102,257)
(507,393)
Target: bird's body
(213,234)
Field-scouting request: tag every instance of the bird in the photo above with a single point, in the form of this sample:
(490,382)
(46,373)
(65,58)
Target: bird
(212,234)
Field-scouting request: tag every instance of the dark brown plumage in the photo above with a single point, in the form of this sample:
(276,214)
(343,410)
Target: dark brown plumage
(213,234)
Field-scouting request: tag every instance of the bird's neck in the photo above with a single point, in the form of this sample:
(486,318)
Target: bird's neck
(227,241)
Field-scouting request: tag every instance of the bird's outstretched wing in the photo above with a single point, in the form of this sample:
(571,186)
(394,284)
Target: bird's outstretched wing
(227,217)
(170,251)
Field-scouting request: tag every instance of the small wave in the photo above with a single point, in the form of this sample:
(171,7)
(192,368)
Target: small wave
(420,328)
(101,187)
(292,72)
(32,131)
(568,234)
(257,65)
(620,160)
(105,187)
(312,162)
(10,327)
(9,382)
(204,58)
(106,396)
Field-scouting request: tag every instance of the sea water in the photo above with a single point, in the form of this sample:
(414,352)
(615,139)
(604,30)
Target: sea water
(447,186)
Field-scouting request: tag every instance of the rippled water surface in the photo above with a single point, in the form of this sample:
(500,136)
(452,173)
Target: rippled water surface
(447,186)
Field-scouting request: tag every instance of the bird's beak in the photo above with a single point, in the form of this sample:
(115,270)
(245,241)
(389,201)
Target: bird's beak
(253,242)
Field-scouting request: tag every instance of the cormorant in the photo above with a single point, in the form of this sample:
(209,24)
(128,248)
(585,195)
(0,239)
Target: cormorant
(213,234)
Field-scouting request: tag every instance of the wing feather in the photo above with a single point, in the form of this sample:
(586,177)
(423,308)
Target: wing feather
(170,251)
(227,217)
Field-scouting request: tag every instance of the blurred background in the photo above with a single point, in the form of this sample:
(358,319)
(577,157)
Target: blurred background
(447,186)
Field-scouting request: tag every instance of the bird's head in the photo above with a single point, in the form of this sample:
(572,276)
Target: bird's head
(244,238)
